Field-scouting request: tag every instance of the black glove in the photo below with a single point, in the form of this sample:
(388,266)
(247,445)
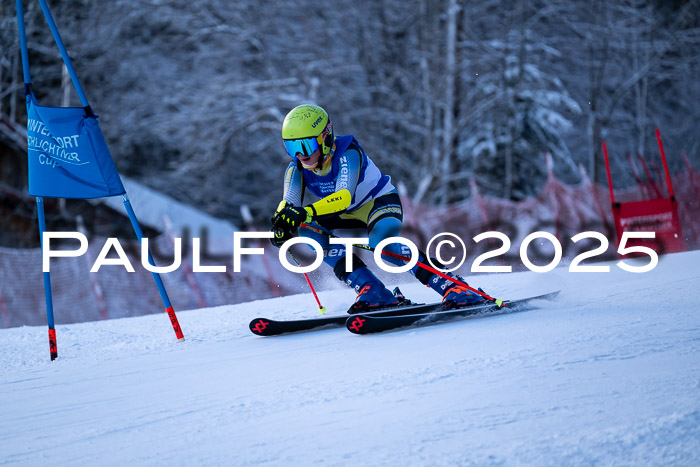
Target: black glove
(276,215)
(286,222)
(292,217)
(281,236)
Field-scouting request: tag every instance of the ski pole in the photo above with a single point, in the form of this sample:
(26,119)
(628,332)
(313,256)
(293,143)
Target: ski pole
(321,308)
(419,264)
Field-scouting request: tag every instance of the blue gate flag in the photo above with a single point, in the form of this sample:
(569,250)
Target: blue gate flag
(68,156)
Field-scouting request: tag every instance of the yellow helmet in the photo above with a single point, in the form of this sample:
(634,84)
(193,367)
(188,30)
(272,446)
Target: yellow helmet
(305,129)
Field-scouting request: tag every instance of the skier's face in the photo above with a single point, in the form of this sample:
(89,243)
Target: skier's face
(310,160)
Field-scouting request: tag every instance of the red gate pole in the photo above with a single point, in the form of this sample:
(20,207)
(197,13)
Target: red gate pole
(663,159)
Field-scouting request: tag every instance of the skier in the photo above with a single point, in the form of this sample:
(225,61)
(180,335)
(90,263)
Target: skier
(353,193)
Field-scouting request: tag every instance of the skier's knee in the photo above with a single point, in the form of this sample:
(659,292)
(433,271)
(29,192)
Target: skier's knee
(384,228)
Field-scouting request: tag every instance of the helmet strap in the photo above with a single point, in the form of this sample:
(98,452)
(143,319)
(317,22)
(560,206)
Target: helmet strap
(326,158)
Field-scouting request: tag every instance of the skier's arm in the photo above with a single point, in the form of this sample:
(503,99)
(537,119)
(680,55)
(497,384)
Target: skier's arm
(336,202)
(292,215)
(345,186)
(293,195)
(293,185)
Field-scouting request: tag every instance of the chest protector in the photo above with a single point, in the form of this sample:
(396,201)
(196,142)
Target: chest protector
(371,183)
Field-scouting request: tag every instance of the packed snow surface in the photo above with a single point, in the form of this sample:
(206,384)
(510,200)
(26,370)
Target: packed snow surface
(607,374)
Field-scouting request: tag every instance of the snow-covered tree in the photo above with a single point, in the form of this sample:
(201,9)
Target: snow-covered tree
(527,118)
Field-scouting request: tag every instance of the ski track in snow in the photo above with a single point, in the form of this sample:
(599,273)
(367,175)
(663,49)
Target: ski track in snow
(607,374)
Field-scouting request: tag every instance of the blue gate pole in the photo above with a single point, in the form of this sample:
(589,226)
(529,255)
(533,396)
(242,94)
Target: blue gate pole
(159,282)
(53,347)
(23,43)
(127,204)
(66,58)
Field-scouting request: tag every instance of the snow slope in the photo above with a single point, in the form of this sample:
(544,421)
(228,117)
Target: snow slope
(609,374)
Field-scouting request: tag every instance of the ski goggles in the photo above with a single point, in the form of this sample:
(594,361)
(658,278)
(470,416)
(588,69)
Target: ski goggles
(304,146)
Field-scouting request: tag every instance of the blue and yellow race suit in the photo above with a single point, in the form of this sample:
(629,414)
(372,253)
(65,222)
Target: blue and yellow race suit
(353,193)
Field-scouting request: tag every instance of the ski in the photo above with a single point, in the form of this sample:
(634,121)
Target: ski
(271,327)
(366,323)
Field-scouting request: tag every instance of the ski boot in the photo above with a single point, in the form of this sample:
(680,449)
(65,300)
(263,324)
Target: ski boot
(372,294)
(454,295)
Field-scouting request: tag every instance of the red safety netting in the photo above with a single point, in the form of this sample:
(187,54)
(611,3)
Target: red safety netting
(559,209)
(112,292)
